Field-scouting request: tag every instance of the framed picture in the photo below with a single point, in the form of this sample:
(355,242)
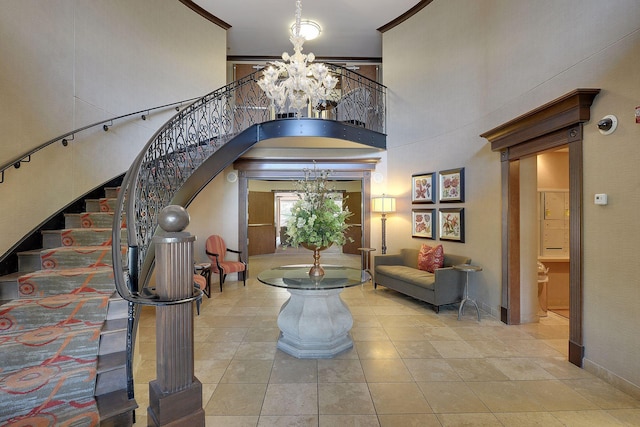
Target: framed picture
(451,185)
(423,223)
(451,224)
(423,188)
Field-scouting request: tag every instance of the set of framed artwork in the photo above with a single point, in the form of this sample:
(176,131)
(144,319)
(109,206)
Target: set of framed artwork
(446,186)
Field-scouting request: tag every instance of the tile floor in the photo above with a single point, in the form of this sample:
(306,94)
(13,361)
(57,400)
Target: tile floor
(409,366)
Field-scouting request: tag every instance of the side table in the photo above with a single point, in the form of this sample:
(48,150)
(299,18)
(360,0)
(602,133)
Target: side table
(467,268)
(204,269)
(366,255)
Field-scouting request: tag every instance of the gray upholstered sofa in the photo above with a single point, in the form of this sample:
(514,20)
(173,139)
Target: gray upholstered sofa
(400,272)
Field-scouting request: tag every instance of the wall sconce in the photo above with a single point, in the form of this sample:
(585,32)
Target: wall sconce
(383,205)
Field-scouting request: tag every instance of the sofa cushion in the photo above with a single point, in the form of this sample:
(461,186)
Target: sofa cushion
(430,258)
(408,274)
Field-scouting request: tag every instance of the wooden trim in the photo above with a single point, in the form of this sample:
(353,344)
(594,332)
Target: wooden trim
(549,141)
(504,226)
(576,313)
(556,123)
(563,112)
(205,14)
(576,353)
(408,14)
(511,251)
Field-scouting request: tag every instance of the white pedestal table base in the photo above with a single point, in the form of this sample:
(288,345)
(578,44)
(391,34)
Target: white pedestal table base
(314,324)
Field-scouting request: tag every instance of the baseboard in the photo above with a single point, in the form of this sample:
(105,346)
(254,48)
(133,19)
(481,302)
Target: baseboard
(618,382)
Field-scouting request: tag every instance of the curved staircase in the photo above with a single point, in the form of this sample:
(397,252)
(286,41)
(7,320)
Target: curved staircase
(67,337)
(63,339)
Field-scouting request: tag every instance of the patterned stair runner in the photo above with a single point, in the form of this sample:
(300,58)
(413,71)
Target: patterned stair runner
(50,336)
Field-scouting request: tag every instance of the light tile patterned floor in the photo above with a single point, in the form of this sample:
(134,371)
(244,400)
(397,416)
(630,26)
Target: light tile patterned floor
(409,366)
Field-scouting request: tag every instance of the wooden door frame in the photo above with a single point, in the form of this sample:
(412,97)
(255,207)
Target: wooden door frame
(548,127)
(291,169)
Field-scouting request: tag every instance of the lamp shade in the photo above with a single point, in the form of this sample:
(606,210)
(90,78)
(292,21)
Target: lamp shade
(383,204)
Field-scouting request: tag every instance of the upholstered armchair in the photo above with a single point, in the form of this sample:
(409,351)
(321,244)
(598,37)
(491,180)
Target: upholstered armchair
(217,250)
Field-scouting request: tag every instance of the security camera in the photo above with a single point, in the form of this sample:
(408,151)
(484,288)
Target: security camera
(607,124)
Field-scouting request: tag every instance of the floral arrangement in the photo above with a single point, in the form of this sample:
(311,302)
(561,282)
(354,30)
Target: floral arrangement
(317,218)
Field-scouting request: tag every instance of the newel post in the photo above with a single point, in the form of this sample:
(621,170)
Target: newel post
(175,397)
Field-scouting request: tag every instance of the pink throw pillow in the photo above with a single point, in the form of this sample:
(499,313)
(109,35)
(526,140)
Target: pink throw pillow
(430,258)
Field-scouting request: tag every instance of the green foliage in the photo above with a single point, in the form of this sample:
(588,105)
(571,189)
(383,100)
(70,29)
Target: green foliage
(317,218)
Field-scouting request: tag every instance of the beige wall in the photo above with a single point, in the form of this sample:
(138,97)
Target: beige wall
(459,68)
(66,64)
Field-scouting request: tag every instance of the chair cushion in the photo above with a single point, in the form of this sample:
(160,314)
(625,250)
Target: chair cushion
(430,258)
(232,266)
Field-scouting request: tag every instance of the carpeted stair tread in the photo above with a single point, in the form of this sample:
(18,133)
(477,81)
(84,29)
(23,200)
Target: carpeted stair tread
(78,237)
(65,309)
(49,394)
(111,192)
(50,345)
(84,281)
(53,336)
(77,256)
(103,204)
(89,220)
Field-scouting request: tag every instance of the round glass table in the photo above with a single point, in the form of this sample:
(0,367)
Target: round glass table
(314,322)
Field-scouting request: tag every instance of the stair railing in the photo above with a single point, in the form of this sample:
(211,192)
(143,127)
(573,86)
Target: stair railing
(184,143)
(65,138)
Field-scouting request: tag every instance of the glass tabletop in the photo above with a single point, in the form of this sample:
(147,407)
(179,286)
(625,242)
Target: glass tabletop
(297,277)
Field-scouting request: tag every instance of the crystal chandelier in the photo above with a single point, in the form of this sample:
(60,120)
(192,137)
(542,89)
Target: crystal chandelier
(298,81)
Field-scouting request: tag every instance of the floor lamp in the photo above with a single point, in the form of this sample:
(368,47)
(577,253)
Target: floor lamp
(384,205)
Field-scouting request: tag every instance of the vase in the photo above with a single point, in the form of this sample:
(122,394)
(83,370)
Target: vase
(316,270)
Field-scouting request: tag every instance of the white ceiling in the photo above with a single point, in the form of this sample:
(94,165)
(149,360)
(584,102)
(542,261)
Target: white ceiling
(260,28)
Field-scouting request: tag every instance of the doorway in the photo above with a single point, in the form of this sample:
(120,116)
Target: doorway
(553,255)
(355,174)
(550,126)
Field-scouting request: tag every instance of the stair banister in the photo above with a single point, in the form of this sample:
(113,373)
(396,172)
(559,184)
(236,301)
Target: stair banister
(188,140)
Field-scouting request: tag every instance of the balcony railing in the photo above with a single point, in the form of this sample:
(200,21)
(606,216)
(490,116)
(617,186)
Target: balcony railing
(191,137)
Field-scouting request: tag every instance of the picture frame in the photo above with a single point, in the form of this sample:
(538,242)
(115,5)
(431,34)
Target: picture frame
(423,223)
(451,221)
(451,185)
(423,188)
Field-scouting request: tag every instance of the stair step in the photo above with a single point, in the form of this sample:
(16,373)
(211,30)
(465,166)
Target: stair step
(55,345)
(89,220)
(79,237)
(77,257)
(118,308)
(113,336)
(116,409)
(29,261)
(103,204)
(9,286)
(64,389)
(111,192)
(111,374)
(63,310)
(83,281)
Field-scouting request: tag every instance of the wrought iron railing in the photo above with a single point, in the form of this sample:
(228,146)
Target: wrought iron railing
(187,140)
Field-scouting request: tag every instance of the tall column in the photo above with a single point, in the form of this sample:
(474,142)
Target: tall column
(175,397)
